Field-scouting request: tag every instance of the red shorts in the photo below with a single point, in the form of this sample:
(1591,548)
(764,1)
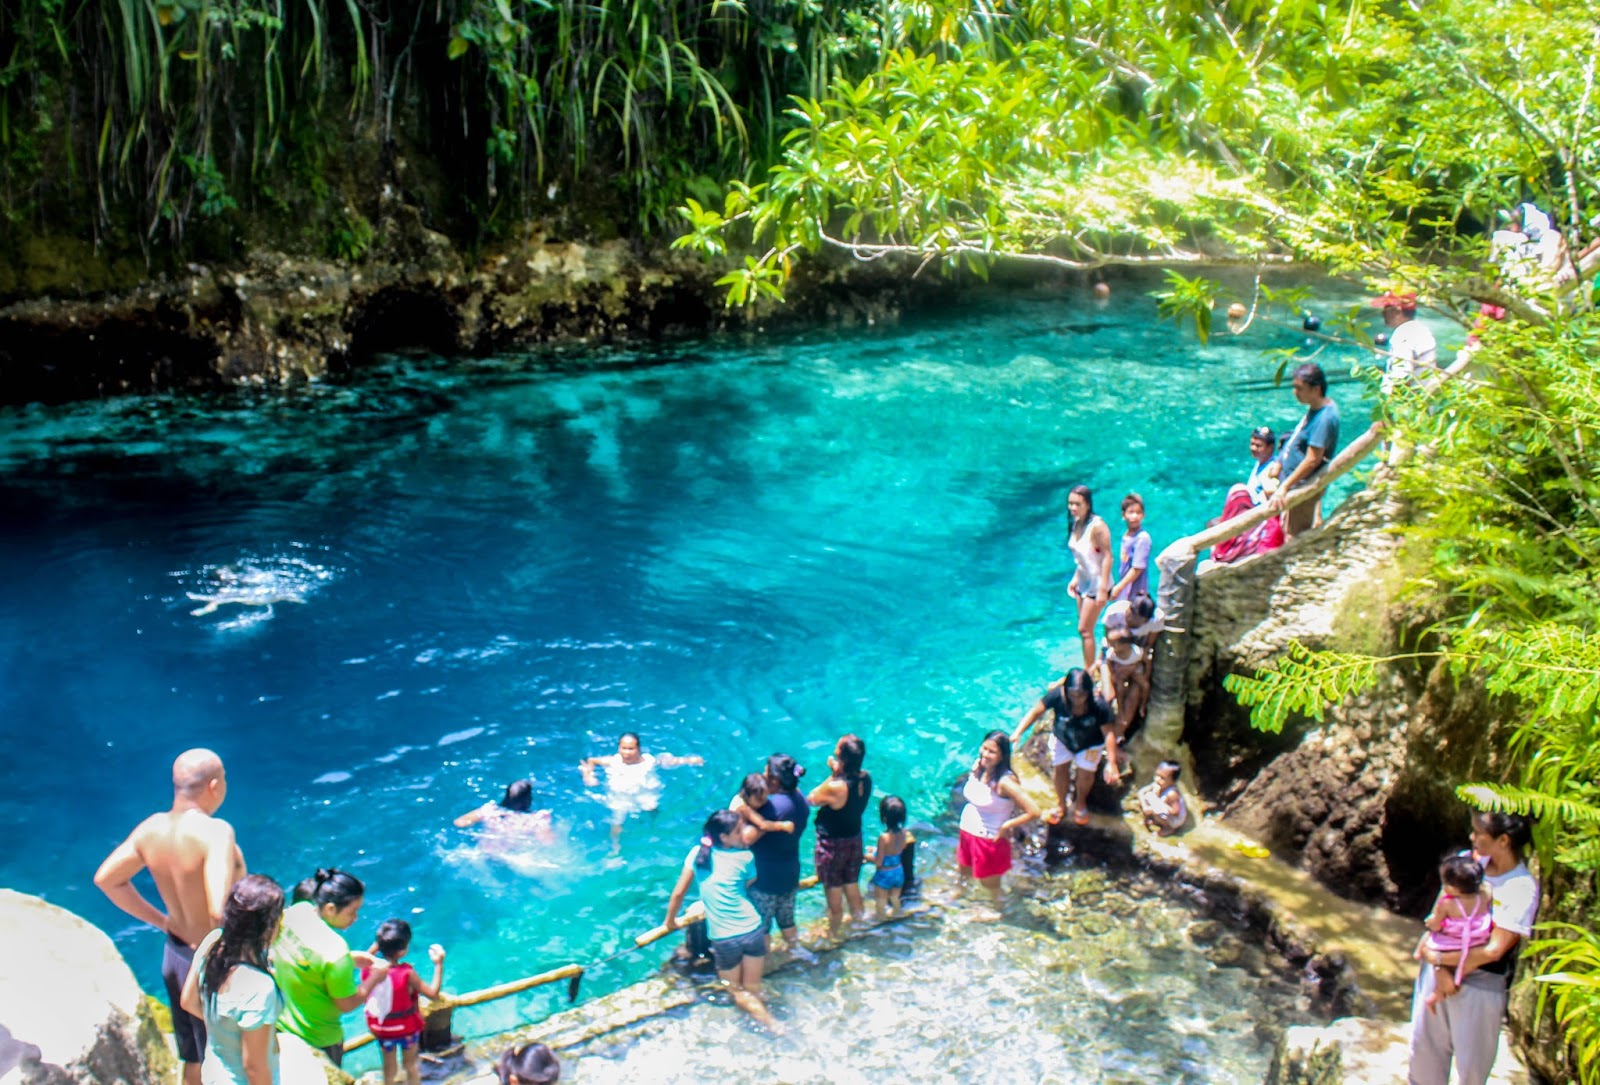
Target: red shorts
(987,858)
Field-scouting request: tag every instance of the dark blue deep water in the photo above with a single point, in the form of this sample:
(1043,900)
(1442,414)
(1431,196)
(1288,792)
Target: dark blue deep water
(733,546)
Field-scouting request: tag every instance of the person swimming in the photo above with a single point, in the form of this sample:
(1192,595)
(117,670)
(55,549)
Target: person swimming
(513,816)
(633,786)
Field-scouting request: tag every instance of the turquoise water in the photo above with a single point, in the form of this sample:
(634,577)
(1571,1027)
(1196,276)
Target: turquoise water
(487,570)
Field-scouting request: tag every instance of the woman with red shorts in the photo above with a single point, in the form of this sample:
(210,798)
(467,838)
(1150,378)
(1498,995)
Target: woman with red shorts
(994,795)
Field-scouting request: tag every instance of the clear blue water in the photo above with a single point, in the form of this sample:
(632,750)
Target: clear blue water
(734,546)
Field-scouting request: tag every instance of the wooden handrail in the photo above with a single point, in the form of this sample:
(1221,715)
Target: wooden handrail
(1178,552)
(695,913)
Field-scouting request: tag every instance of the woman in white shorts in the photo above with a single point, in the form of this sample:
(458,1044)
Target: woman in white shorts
(1082,731)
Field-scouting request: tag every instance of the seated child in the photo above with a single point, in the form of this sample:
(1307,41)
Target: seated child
(1461,917)
(748,802)
(1122,677)
(1162,803)
(392,1015)
(890,880)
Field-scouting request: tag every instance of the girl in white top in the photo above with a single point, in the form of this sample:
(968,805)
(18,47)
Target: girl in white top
(230,988)
(632,784)
(1089,539)
(993,795)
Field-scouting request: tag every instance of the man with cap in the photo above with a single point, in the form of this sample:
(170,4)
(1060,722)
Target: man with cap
(1411,348)
(194,861)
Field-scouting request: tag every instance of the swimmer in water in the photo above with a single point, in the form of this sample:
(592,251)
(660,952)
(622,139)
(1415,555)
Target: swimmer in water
(249,587)
(632,784)
(512,815)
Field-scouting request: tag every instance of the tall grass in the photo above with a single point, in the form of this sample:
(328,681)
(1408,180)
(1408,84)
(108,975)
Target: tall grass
(156,114)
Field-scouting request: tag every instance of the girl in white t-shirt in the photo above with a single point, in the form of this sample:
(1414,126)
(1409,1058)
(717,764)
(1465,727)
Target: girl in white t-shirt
(230,988)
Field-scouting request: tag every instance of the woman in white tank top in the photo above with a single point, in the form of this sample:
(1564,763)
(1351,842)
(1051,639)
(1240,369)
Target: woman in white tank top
(1089,539)
(989,819)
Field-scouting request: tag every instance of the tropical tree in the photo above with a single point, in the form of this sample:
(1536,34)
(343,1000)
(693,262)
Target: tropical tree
(1378,143)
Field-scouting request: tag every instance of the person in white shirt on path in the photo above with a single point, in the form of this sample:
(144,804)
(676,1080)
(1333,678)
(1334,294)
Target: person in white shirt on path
(1412,350)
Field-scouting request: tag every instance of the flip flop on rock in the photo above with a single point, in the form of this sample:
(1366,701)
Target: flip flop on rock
(1080,817)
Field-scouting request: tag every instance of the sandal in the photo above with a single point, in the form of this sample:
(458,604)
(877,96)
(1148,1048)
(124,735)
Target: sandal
(1080,817)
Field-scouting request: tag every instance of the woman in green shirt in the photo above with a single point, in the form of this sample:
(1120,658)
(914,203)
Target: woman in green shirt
(313,965)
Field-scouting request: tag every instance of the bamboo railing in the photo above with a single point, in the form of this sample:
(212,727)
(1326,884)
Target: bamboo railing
(1177,565)
(437,1016)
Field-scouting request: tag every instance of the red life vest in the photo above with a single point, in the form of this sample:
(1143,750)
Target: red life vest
(392,1008)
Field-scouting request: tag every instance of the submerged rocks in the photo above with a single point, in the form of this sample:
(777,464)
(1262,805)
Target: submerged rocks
(71,1012)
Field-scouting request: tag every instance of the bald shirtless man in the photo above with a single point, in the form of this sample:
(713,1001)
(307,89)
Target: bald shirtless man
(195,862)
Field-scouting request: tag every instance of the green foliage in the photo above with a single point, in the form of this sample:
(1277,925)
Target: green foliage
(1302,682)
(350,237)
(1570,981)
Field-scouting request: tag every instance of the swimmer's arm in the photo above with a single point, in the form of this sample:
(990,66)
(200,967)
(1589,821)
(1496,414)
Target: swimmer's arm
(1027,722)
(189,998)
(1011,788)
(679,891)
(472,817)
(115,880)
(587,767)
(667,761)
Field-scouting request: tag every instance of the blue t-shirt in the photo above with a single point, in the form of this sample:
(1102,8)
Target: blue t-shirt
(1135,554)
(729,912)
(778,854)
(1321,430)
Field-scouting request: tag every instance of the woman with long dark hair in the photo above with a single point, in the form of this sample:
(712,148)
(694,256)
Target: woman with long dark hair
(721,864)
(231,989)
(991,816)
(313,964)
(1463,1023)
(840,801)
(513,818)
(1089,540)
(1082,733)
(778,853)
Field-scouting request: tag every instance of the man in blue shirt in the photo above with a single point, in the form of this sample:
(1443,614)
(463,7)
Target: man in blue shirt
(1310,447)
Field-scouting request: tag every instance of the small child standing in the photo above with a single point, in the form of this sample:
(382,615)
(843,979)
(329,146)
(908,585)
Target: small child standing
(890,878)
(1462,917)
(751,798)
(392,1014)
(1162,803)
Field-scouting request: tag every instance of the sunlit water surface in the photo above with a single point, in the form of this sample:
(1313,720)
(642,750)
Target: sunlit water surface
(447,575)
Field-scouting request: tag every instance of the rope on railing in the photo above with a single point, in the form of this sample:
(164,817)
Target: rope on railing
(437,1016)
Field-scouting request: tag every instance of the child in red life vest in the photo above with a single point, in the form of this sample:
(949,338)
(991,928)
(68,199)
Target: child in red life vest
(392,1015)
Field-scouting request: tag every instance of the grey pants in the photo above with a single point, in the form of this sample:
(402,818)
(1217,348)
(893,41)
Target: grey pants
(1465,1027)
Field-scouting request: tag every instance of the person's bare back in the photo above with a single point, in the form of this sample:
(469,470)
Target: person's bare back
(195,862)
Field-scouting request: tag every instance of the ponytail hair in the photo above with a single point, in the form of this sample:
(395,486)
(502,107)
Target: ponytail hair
(852,750)
(718,825)
(782,768)
(249,920)
(337,888)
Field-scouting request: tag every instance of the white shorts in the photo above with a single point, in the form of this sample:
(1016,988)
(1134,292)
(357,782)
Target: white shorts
(1087,760)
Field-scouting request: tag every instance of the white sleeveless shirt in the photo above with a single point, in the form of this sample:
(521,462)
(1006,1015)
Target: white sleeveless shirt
(986,809)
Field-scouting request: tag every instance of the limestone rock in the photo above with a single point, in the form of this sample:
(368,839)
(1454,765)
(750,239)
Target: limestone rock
(71,1012)
(1360,1051)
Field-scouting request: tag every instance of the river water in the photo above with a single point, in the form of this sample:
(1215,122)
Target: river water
(444,575)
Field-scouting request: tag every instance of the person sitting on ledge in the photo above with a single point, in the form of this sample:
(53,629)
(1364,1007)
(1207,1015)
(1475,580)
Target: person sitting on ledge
(1262,481)
(1162,803)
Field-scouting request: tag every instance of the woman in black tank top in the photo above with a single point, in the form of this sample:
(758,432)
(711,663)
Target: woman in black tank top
(840,801)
